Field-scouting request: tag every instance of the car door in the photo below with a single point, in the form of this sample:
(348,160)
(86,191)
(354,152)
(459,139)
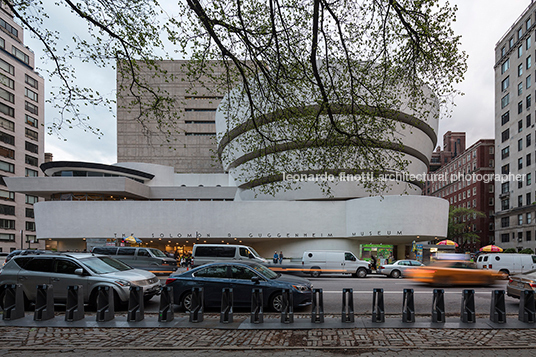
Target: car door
(144,258)
(213,279)
(350,265)
(242,284)
(35,272)
(63,275)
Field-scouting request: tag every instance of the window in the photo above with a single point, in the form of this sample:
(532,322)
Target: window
(505,84)
(30,226)
(505,152)
(7,195)
(7,224)
(519,51)
(528,160)
(529,179)
(520,126)
(505,238)
(528,236)
(31,121)
(20,55)
(529,218)
(529,62)
(520,184)
(504,101)
(528,81)
(503,51)
(505,170)
(8,82)
(30,160)
(7,210)
(31,147)
(520,163)
(7,110)
(31,134)
(511,42)
(8,96)
(31,199)
(6,236)
(505,222)
(528,140)
(31,108)
(528,42)
(242,273)
(505,204)
(505,187)
(6,138)
(505,135)
(519,236)
(520,107)
(528,199)
(505,118)
(7,167)
(519,201)
(520,88)
(214,271)
(529,100)
(528,121)
(528,23)
(520,145)
(30,213)
(6,152)
(504,67)
(520,33)
(31,81)
(33,96)
(7,124)
(11,70)
(520,70)
(31,173)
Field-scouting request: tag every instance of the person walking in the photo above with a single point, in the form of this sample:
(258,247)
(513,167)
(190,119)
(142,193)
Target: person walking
(373,261)
(280,257)
(276,257)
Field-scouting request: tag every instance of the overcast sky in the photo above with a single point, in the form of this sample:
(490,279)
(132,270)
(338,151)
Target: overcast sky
(480,22)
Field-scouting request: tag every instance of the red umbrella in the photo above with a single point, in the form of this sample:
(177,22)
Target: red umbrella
(447,242)
(491,249)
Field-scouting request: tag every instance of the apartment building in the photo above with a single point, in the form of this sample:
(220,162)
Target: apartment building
(21,134)
(514,133)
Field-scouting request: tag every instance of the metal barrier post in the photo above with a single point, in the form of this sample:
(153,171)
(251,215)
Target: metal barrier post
(438,306)
(347,314)
(498,307)
(378,307)
(44,303)
(165,311)
(226,314)
(14,302)
(196,311)
(527,307)
(408,306)
(468,306)
(287,308)
(256,306)
(105,303)
(136,309)
(74,310)
(317,310)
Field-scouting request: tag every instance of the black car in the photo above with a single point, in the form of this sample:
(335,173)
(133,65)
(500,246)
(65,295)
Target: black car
(242,277)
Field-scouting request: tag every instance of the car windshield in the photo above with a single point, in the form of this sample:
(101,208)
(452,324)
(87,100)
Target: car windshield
(265,271)
(252,251)
(104,265)
(157,253)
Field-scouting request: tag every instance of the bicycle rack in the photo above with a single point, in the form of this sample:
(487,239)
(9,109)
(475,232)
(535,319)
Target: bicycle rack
(378,307)
(498,307)
(438,306)
(527,307)
(468,306)
(256,306)
(196,309)
(44,303)
(317,310)
(226,314)
(14,302)
(347,313)
(136,309)
(105,303)
(408,306)
(165,311)
(287,307)
(74,310)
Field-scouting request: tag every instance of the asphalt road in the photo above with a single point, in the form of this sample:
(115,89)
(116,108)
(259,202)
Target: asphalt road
(393,295)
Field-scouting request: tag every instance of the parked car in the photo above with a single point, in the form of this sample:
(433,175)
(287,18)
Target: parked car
(64,269)
(151,259)
(242,277)
(208,253)
(334,262)
(452,272)
(398,268)
(508,263)
(3,256)
(519,282)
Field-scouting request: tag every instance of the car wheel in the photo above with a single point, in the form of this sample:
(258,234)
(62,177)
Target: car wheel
(276,303)
(361,273)
(315,273)
(395,274)
(186,301)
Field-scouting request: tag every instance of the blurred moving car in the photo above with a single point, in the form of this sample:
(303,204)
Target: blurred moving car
(398,268)
(452,272)
(64,269)
(519,282)
(242,277)
(151,259)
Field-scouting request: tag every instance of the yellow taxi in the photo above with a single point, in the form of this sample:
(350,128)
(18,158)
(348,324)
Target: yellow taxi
(453,272)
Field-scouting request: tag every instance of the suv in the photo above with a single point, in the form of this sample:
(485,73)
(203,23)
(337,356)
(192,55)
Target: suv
(150,259)
(65,269)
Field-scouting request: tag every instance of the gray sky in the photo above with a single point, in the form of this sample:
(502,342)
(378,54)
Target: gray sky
(480,22)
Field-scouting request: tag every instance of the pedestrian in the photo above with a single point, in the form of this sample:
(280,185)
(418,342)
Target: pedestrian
(280,257)
(373,262)
(390,259)
(276,257)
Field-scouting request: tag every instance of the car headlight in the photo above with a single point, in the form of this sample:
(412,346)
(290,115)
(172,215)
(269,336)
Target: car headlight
(300,287)
(122,283)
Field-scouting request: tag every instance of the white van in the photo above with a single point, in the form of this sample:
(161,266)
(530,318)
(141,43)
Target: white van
(208,253)
(316,262)
(508,263)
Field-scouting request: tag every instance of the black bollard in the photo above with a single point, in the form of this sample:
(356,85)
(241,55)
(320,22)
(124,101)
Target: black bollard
(527,307)
(256,306)
(287,307)
(105,303)
(165,311)
(378,307)
(347,313)
(74,310)
(468,314)
(226,314)
(136,309)
(408,306)
(196,311)
(13,302)
(438,306)
(317,310)
(498,307)
(44,303)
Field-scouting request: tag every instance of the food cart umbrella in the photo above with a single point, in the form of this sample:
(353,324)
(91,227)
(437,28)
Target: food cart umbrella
(491,248)
(133,240)
(447,242)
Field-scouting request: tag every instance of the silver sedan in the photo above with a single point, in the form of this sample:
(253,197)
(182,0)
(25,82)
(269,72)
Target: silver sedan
(396,269)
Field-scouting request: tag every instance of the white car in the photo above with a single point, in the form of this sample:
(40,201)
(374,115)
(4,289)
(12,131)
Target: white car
(396,269)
